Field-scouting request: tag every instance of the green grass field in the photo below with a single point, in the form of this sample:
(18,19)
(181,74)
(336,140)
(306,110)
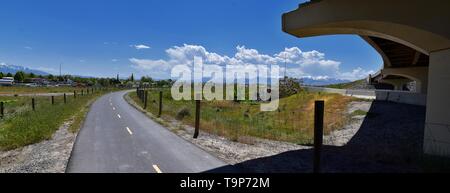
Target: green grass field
(31,90)
(22,126)
(293,122)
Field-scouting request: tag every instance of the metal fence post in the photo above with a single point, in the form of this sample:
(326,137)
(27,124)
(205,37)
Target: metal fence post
(197,119)
(65,98)
(53,100)
(318,134)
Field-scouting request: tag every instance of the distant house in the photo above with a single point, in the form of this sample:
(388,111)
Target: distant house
(79,84)
(70,82)
(39,81)
(7,81)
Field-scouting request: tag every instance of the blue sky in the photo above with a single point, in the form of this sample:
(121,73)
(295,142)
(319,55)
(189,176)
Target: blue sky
(101,37)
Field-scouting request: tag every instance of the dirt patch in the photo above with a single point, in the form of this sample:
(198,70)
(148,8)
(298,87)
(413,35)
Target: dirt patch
(342,136)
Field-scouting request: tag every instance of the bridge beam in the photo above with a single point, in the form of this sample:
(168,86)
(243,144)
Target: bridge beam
(397,83)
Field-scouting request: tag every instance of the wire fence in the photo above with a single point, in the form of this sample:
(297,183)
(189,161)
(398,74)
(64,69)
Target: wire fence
(11,106)
(242,120)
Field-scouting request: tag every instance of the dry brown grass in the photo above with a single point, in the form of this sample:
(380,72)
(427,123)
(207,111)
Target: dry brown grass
(293,122)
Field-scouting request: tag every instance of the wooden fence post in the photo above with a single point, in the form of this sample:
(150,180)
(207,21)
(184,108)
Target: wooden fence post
(139,94)
(74,94)
(2,109)
(160,103)
(145,99)
(33,104)
(318,134)
(197,119)
(65,98)
(53,100)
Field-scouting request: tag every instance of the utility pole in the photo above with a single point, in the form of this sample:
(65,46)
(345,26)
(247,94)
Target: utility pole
(285,65)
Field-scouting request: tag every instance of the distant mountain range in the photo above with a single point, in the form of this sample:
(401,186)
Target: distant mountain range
(8,68)
(309,81)
(322,81)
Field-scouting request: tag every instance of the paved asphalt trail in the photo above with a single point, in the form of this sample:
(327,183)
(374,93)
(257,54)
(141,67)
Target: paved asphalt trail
(116,138)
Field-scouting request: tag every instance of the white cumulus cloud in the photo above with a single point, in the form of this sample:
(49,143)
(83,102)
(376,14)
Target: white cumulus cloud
(313,64)
(140,47)
(356,74)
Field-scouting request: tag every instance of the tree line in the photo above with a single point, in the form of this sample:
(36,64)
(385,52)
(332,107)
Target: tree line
(22,77)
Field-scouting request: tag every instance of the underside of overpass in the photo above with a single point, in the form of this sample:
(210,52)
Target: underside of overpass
(413,38)
(403,67)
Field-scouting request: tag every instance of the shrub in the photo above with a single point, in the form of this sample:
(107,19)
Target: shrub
(183,113)
(289,87)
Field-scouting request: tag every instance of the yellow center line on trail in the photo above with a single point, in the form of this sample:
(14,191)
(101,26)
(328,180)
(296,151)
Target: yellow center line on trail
(129,131)
(157,169)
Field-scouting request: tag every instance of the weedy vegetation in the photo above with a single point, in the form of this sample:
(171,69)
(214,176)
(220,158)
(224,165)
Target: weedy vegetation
(239,121)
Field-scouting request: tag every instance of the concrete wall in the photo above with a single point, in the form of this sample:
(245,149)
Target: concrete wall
(437,127)
(382,95)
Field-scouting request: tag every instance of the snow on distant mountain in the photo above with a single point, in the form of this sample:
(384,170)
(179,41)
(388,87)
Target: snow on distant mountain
(309,81)
(8,68)
(322,81)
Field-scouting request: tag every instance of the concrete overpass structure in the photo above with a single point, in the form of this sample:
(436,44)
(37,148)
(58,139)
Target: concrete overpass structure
(399,77)
(402,65)
(412,36)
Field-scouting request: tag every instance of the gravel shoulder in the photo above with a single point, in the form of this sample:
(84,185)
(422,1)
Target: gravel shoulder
(342,136)
(49,156)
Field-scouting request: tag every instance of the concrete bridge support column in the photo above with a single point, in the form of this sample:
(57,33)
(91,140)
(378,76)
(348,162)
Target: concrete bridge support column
(437,126)
(397,83)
